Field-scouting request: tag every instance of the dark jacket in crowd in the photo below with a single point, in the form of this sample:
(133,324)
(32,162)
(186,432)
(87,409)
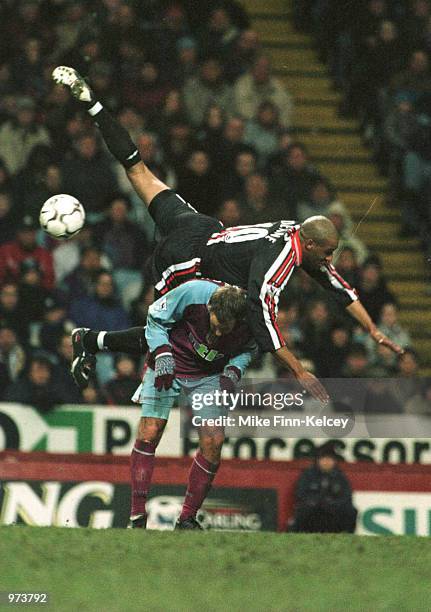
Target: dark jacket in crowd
(118,391)
(375,298)
(95,313)
(42,397)
(124,244)
(323,502)
(90,180)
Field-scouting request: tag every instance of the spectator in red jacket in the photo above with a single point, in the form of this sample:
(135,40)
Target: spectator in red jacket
(25,247)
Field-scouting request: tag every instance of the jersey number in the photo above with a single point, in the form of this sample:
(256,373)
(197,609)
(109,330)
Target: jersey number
(242,233)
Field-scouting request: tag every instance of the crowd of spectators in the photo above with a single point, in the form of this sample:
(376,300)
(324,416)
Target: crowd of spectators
(191,84)
(379,55)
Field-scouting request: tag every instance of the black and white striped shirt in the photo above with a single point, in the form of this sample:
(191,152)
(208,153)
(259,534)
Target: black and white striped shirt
(262,258)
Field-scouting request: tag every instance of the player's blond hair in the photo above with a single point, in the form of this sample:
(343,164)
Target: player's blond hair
(228,304)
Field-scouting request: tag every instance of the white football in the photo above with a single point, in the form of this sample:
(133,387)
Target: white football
(62,216)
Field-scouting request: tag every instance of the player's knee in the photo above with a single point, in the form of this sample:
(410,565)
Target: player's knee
(151,429)
(211,445)
(213,455)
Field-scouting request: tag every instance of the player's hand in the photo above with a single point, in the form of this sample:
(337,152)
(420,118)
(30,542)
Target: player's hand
(230,378)
(380,338)
(313,386)
(164,368)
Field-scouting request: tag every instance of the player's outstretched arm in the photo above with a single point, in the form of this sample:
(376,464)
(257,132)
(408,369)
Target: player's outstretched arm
(358,312)
(263,293)
(330,279)
(116,137)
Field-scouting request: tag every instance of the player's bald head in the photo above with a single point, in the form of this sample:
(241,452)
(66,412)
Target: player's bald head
(319,239)
(319,229)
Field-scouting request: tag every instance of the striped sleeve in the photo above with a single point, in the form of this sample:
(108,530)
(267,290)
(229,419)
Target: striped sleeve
(332,281)
(269,274)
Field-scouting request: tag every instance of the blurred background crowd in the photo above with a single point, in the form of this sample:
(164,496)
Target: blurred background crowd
(190,83)
(378,52)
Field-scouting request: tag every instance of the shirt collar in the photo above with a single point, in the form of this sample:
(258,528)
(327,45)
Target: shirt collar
(296,244)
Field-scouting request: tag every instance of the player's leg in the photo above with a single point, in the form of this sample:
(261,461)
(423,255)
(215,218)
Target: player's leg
(86,343)
(142,461)
(164,210)
(207,459)
(130,341)
(156,406)
(202,473)
(177,257)
(210,444)
(117,139)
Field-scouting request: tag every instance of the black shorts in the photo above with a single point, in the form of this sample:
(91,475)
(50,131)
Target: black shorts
(184,234)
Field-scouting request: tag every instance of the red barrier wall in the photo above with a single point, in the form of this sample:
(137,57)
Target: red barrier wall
(279,475)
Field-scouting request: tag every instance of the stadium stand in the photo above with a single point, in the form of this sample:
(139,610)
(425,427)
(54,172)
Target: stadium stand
(272,139)
(300,32)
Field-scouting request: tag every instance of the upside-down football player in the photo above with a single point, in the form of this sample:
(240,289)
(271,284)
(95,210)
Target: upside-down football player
(260,258)
(199,343)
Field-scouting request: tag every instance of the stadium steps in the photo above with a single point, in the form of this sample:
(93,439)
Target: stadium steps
(276,34)
(335,145)
(411,302)
(271,8)
(357,181)
(308,86)
(408,289)
(337,154)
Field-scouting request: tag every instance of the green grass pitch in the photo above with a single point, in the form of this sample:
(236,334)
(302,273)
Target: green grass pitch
(107,570)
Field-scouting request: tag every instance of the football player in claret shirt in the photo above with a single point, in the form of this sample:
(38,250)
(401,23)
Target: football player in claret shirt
(199,345)
(260,258)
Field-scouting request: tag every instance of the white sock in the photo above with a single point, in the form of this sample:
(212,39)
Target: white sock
(95,110)
(100,338)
